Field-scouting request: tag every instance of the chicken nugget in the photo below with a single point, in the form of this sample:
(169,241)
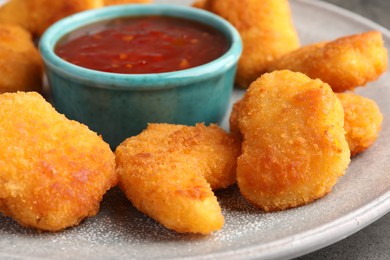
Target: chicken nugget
(362,121)
(53,171)
(37,15)
(21,67)
(266,29)
(118,2)
(344,63)
(294,148)
(168,172)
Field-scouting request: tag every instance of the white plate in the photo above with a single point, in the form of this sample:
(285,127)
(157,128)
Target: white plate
(359,198)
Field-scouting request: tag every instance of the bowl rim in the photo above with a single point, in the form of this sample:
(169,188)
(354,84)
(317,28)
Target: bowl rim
(71,23)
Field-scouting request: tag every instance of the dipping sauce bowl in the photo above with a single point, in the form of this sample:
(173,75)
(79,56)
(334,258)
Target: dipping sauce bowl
(119,105)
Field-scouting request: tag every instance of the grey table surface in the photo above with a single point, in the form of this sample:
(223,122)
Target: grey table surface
(372,242)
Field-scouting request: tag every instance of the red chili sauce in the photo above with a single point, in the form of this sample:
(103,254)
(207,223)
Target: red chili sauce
(144,44)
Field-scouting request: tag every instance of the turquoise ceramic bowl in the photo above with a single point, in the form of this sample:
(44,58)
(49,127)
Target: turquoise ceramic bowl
(118,106)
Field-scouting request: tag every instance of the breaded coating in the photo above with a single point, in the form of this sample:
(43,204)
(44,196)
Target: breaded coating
(233,119)
(362,121)
(37,15)
(118,2)
(21,67)
(266,29)
(53,171)
(294,148)
(344,63)
(168,172)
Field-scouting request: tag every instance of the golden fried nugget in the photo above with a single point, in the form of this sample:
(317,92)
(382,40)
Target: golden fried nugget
(168,172)
(21,67)
(294,146)
(37,15)
(362,121)
(344,63)
(266,30)
(53,171)
(118,2)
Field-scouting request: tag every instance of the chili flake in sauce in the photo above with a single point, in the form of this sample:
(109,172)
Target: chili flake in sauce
(144,44)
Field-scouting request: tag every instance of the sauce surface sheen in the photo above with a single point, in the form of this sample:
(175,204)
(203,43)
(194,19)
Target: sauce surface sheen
(142,44)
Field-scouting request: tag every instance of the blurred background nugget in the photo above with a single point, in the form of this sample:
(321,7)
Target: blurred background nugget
(37,15)
(118,2)
(54,171)
(265,27)
(362,121)
(302,158)
(344,63)
(200,4)
(21,66)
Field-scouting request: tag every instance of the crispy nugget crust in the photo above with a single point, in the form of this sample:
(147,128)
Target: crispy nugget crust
(294,146)
(266,30)
(233,119)
(21,67)
(362,121)
(344,63)
(37,15)
(167,170)
(54,171)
